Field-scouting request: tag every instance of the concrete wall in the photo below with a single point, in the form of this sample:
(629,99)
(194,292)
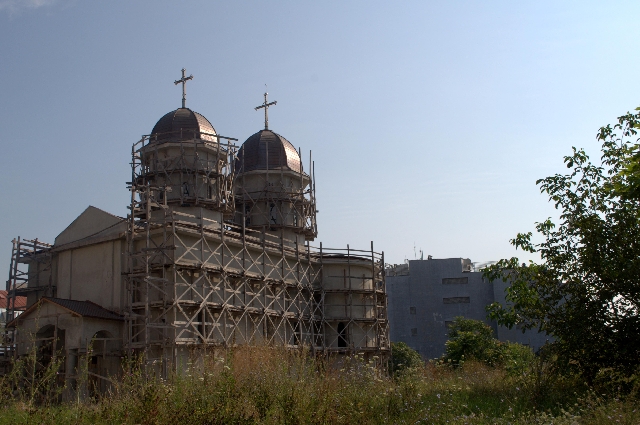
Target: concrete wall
(349,304)
(92,273)
(423,302)
(166,160)
(272,198)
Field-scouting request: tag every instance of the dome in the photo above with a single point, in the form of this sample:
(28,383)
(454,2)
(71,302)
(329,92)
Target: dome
(281,153)
(183,124)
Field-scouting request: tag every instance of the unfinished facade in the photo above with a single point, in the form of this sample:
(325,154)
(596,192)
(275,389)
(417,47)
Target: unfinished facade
(215,252)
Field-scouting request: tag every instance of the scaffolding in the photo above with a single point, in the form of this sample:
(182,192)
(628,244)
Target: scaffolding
(225,262)
(217,257)
(29,276)
(353,296)
(276,199)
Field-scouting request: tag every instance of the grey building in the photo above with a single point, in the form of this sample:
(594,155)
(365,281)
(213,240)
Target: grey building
(424,296)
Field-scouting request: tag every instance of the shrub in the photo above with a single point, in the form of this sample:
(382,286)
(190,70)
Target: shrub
(517,358)
(473,340)
(404,357)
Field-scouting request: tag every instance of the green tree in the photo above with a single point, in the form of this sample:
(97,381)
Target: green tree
(404,357)
(585,291)
(472,339)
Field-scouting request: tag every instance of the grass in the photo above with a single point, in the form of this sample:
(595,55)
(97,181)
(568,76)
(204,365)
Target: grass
(262,385)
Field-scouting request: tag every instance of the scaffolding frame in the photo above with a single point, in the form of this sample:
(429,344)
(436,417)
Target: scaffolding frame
(289,207)
(198,282)
(29,273)
(197,275)
(365,326)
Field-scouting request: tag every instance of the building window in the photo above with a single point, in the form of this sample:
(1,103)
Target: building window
(455,280)
(456,300)
(201,319)
(342,336)
(414,331)
(247,215)
(412,310)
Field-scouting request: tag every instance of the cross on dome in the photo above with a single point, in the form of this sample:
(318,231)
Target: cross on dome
(183,80)
(266,105)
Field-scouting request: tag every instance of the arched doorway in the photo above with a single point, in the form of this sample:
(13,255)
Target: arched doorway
(50,353)
(104,362)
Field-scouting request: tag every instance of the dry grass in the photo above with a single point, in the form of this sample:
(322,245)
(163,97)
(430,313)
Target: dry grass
(273,386)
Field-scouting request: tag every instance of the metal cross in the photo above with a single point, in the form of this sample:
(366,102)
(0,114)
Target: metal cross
(183,80)
(266,105)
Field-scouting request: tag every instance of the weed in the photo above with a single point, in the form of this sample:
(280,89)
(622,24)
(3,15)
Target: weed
(265,385)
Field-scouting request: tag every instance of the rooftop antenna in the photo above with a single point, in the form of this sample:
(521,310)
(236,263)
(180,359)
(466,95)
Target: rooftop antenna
(183,80)
(266,105)
(415,256)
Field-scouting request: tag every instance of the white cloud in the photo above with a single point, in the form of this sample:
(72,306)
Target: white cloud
(15,6)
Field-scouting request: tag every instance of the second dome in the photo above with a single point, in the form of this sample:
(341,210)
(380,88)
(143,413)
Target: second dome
(266,150)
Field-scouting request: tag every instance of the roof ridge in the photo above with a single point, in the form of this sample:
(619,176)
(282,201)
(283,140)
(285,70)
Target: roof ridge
(107,212)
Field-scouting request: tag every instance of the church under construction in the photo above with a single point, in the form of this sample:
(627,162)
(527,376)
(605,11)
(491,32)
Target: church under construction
(214,253)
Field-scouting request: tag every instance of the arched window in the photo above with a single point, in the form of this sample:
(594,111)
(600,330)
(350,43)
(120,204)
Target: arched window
(50,344)
(103,343)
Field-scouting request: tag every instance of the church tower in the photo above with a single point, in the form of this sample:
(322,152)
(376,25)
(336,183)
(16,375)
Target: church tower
(183,165)
(178,275)
(273,193)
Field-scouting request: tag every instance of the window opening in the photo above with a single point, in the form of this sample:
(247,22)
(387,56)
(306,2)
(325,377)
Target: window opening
(342,335)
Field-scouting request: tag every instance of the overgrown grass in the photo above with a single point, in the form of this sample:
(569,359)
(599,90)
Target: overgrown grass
(273,386)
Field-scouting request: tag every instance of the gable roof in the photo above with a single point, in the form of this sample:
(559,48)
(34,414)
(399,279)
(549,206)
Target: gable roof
(85,308)
(20,303)
(78,308)
(93,222)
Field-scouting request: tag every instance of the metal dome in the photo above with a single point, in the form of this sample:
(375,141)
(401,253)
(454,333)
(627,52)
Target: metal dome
(266,144)
(183,124)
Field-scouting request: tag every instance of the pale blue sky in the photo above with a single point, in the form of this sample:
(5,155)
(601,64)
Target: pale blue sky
(429,121)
